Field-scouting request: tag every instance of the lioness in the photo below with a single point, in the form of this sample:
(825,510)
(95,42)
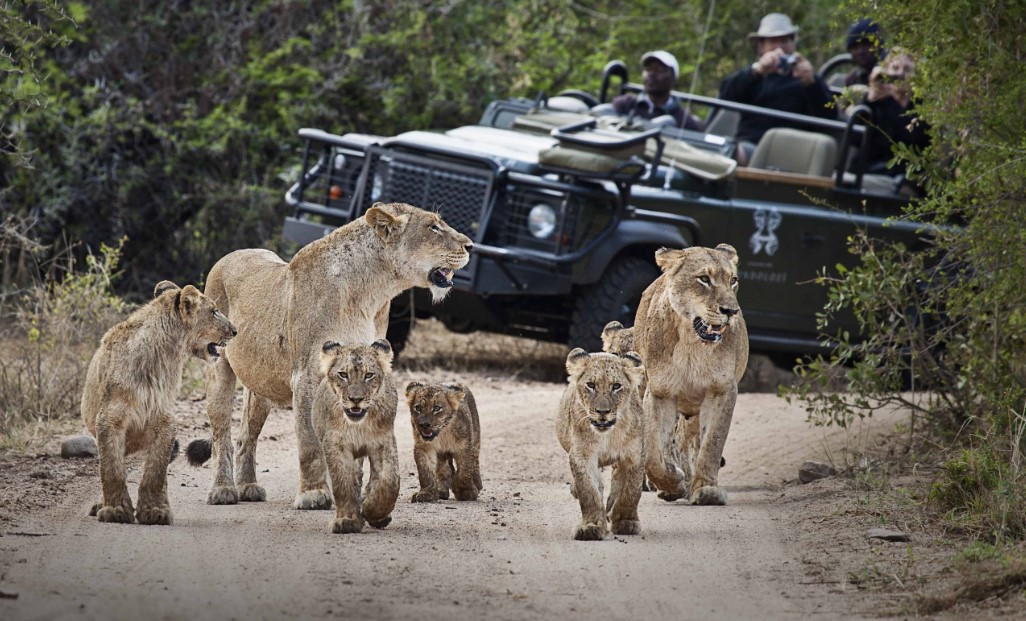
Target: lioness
(599,424)
(691,334)
(354,417)
(446,441)
(336,288)
(130,390)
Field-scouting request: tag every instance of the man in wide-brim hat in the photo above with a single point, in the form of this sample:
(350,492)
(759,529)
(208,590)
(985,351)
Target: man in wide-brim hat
(781,79)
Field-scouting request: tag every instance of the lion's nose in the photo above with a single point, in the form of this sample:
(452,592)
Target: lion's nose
(603,411)
(235,331)
(729,312)
(468,246)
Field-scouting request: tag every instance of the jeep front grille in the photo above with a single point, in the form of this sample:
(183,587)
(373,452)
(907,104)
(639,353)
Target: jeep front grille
(458,192)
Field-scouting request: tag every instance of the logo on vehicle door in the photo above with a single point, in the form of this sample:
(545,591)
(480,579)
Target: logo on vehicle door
(767,219)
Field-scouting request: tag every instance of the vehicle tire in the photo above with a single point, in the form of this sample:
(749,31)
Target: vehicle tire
(400,321)
(614,297)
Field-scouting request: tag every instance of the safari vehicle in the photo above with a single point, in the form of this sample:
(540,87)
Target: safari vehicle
(566,207)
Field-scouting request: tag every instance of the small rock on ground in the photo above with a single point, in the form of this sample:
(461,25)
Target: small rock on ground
(78,446)
(812,470)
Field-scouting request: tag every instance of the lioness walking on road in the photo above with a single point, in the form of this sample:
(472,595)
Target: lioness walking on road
(130,391)
(599,424)
(691,334)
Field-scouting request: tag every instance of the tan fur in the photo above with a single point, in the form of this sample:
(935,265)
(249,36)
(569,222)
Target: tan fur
(688,375)
(338,289)
(130,391)
(603,388)
(354,417)
(446,441)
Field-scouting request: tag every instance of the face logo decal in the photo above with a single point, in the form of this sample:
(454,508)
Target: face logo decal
(767,219)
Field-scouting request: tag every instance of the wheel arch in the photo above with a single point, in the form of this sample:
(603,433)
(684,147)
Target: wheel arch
(633,238)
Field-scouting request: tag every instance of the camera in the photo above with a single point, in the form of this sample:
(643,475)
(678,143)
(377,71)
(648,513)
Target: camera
(787,63)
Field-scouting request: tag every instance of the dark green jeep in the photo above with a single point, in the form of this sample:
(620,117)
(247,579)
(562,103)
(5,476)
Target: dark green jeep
(566,206)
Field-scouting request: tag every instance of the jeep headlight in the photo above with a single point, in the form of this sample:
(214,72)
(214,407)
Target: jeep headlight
(541,221)
(377,186)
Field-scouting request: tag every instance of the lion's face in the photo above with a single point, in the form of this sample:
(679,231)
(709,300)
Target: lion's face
(702,285)
(433,406)
(604,383)
(209,328)
(432,250)
(356,374)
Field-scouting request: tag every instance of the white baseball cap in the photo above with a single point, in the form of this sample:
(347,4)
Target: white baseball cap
(664,57)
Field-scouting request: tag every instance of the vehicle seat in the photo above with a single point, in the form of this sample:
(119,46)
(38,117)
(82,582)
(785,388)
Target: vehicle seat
(724,123)
(791,150)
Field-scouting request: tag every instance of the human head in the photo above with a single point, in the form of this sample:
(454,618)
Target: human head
(775,31)
(864,43)
(659,71)
(899,65)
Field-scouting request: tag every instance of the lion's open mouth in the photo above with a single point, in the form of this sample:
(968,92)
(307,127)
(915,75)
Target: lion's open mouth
(603,425)
(441,277)
(708,333)
(428,435)
(355,413)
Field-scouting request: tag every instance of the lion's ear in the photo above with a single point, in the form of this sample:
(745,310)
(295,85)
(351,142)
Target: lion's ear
(456,389)
(730,252)
(383,349)
(189,300)
(574,359)
(633,366)
(384,224)
(412,387)
(329,351)
(163,287)
(665,257)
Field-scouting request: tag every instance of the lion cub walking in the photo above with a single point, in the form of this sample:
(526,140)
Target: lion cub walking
(447,441)
(600,424)
(354,417)
(130,391)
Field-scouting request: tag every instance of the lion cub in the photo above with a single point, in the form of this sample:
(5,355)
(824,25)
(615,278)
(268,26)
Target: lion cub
(354,417)
(130,390)
(600,424)
(447,441)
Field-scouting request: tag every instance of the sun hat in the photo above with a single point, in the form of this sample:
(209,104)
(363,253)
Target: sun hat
(774,25)
(864,30)
(664,57)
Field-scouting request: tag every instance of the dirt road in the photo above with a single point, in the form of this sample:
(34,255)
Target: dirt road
(507,556)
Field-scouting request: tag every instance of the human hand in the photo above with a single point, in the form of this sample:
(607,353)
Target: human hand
(803,71)
(769,62)
(879,87)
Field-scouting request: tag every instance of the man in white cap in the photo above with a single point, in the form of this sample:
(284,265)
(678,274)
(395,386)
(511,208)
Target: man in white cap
(781,79)
(659,74)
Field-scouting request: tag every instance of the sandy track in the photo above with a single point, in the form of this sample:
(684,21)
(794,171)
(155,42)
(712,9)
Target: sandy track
(507,556)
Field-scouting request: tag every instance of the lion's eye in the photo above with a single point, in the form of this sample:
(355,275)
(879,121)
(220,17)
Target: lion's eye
(436,408)
(705,280)
(590,385)
(616,387)
(368,376)
(436,229)
(343,375)
(733,281)
(416,408)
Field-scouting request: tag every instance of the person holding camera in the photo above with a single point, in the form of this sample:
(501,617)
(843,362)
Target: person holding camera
(781,79)
(659,71)
(894,118)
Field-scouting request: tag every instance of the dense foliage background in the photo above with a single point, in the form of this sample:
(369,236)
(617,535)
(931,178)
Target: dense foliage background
(173,123)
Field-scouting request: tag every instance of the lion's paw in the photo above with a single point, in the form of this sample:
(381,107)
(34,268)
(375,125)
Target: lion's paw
(312,500)
(425,496)
(443,494)
(469,493)
(154,515)
(627,527)
(346,525)
(251,492)
(117,515)
(590,532)
(95,508)
(223,495)
(710,495)
(383,522)
(668,497)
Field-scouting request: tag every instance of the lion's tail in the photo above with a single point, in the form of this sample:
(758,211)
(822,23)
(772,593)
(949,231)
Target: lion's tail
(174,450)
(199,451)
